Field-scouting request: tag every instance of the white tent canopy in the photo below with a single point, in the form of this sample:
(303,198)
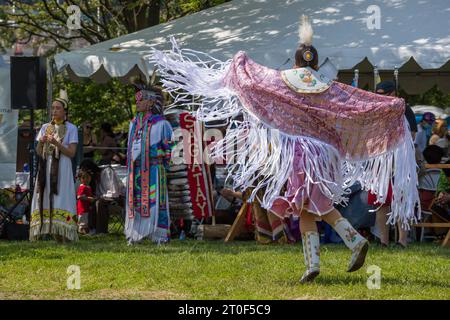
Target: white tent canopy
(8,129)
(267,31)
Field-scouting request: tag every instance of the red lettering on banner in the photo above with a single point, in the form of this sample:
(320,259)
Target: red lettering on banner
(198,172)
(189,121)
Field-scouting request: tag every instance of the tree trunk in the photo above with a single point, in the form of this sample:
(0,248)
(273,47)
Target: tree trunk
(144,16)
(154,11)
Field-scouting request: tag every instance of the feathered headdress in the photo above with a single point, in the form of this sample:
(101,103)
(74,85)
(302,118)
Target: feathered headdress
(149,92)
(305,31)
(306,54)
(63,99)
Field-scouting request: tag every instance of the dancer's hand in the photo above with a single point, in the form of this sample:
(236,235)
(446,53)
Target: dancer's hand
(227,193)
(53,141)
(43,139)
(230,194)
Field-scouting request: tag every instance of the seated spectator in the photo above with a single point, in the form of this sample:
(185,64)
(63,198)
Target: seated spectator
(424,131)
(109,193)
(439,137)
(107,141)
(428,178)
(441,207)
(116,159)
(89,141)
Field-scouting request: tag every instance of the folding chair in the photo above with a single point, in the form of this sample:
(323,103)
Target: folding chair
(427,193)
(116,216)
(112,192)
(445,224)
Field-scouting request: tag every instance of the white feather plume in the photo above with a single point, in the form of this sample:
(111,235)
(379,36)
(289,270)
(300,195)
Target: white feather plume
(63,94)
(305,31)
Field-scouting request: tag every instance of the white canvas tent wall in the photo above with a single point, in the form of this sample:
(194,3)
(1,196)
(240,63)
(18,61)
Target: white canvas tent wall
(414,35)
(8,130)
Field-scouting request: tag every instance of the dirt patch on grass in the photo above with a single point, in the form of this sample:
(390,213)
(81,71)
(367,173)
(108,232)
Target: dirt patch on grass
(103,294)
(311,297)
(133,294)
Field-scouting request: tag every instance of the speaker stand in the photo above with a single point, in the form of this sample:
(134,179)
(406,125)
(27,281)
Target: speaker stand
(32,150)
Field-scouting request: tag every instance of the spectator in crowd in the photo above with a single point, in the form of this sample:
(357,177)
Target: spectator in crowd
(424,131)
(107,141)
(387,88)
(439,137)
(122,142)
(84,200)
(429,177)
(116,159)
(88,165)
(89,141)
(106,187)
(433,154)
(441,209)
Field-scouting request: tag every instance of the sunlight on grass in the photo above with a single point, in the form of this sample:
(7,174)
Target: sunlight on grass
(213,270)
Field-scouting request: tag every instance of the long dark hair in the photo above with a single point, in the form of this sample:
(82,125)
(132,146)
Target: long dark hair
(107,128)
(89,166)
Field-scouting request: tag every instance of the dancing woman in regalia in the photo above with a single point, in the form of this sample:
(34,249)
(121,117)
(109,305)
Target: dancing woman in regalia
(304,139)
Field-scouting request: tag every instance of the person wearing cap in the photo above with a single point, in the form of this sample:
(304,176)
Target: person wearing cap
(424,131)
(53,206)
(387,88)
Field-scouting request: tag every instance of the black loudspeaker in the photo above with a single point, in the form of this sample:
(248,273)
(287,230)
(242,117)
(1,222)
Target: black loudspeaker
(28,82)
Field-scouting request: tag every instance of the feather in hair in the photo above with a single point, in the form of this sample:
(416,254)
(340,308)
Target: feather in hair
(305,31)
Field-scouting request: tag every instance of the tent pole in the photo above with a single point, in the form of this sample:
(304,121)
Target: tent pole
(32,150)
(375,78)
(49,88)
(396,80)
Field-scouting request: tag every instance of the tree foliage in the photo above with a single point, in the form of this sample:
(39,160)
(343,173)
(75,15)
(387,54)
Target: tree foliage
(39,23)
(433,97)
(45,23)
(112,102)
(101,20)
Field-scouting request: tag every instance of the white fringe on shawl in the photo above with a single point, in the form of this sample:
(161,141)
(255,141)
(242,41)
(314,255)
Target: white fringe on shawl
(60,229)
(264,156)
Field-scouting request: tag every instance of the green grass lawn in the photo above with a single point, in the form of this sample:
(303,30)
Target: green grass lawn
(213,270)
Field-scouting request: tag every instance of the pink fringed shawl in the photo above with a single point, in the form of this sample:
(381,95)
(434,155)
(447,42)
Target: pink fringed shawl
(345,134)
(358,123)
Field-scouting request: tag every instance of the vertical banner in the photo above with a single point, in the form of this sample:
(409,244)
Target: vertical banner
(199,177)
(8,130)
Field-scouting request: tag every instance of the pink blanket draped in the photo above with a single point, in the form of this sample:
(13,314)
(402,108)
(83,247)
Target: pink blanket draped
(358,123)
